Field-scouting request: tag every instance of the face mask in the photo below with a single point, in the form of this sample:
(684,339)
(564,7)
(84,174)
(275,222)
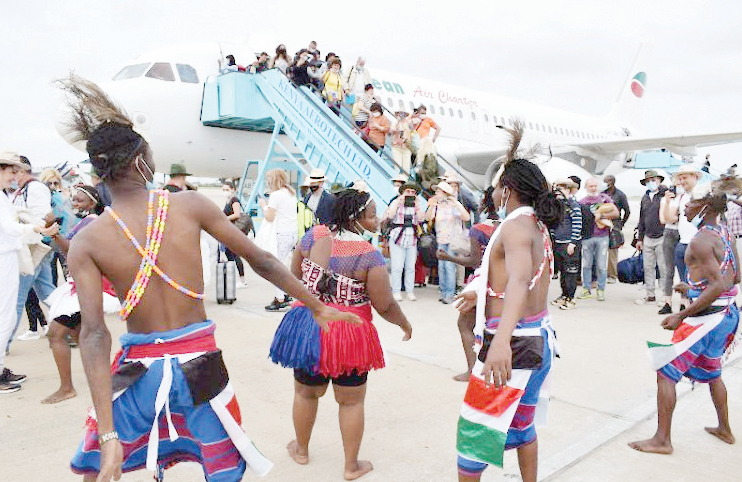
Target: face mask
(422,116)
(679,190)
(603,186)
(82,213)
(313,188)
(652,186)
(698,219)
(147,180)
(367,235)
(150,185)
(377,114)
(502,210)
(14,185)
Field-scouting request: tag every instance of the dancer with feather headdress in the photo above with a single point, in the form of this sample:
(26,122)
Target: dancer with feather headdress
(169,361)
(508,386)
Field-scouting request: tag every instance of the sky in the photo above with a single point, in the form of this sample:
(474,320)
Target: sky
(573,55)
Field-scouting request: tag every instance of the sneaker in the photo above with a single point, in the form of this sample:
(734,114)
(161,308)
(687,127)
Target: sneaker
(447,300)
(666,310)
(569,304)
(398,296)
(584,294)
(6,387)
(601,295)
(29,335)
(9,377)
(660,303)
(411,297)
(559,301)
(646,300)
(275,305)
(611,281)
(682,307)
(287,299)
(45,328)
(241,284)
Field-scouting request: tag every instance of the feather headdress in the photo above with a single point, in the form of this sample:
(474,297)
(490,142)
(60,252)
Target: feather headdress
(89,108)
(514,151)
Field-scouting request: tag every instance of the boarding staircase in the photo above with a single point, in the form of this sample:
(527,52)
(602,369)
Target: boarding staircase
(269,102)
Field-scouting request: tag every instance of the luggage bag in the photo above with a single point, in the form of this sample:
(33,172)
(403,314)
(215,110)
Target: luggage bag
(226,282)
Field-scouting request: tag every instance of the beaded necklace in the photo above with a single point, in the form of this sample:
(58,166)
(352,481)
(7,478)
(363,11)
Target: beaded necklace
(154,232)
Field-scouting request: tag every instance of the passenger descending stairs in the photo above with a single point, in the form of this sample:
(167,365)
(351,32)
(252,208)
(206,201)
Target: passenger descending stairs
(269,101)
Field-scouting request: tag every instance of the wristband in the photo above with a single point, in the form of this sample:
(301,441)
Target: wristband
(107,437)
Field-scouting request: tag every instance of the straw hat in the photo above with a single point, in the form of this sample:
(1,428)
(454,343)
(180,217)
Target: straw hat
(445,187)
(688,169)
(305,182)
(316,176)
(565,182)
(10,158)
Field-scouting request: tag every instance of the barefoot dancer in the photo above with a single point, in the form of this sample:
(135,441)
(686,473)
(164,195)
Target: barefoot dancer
(703,330)
(347,272)
(156,406)
(512,317)
(479,235)
(64,306)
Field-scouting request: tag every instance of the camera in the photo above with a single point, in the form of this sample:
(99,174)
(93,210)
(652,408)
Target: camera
(673,190)
(409,201)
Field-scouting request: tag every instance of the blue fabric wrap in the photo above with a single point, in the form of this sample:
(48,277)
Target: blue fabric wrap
(296,343)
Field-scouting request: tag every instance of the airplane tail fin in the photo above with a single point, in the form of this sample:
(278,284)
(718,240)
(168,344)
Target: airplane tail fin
(630,101)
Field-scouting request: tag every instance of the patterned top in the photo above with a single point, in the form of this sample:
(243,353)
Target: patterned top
(349,255)
(447,218)
(404,236)
(734,219)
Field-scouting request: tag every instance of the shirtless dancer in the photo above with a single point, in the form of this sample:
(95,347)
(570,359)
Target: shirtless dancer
(705,328)
(170,343)
(515,356)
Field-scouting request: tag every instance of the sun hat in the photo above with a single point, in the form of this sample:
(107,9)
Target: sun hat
(400,178)
(688,169)
(565,182)
(10,158)
(650,174)
(316,176)
(445,187)
(179,170)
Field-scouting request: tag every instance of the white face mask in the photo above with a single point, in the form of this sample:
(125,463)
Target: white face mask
(422,116)
(377,114)
(696,221)
(502,211)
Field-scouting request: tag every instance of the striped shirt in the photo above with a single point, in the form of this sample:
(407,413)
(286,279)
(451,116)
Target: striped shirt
(734,219)
(368,101)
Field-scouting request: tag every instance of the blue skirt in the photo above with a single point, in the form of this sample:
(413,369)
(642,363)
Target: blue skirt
(297,341)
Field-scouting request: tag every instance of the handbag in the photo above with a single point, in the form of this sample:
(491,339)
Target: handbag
(615,239)
(427,245)
(631,270)
(244,223)
(460,242)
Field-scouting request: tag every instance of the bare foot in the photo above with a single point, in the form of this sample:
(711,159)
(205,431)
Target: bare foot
(60,395)
(293,448)
(652,446)
(362,467)
(464,377)
(724,435)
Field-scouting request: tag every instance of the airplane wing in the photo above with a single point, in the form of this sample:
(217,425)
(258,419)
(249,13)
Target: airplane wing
(678,144)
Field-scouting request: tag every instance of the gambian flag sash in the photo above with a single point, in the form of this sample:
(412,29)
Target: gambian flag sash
(690,331)
(486,415)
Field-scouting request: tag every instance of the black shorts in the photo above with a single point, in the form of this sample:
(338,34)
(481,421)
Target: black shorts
(70,322)
(352,379)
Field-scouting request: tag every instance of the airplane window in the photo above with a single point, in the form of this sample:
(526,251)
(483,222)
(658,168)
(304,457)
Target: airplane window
(131,71)
(432,109)
(461,114)
(549,128)
(443,112)
(450,111)
(473,116)
(530,126)
(561,131)
(486,118)
(187,73)
(390,102)
(412,106)
(161,71)
(401,104)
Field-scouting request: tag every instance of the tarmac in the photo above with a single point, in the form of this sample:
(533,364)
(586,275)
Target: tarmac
(603,395)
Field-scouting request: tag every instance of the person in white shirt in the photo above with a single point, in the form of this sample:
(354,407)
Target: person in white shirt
(11,235)
(34,197)
(280,210)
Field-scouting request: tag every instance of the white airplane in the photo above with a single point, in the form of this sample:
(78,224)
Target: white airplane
(162,91)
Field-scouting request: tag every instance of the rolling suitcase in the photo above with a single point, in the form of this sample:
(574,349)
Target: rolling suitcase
(226,282)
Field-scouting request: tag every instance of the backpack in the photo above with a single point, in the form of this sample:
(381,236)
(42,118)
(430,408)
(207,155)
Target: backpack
(588,221)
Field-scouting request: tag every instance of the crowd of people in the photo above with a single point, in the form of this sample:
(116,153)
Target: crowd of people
(408,132)
(491,258)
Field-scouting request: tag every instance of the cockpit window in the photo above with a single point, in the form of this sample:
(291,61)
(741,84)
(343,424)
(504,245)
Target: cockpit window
(187,73)
(161,71)
(131,71)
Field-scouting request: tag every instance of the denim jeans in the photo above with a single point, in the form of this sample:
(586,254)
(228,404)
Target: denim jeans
(403,259)
(680,261)
(41,281)
(595,251)
(446,275)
